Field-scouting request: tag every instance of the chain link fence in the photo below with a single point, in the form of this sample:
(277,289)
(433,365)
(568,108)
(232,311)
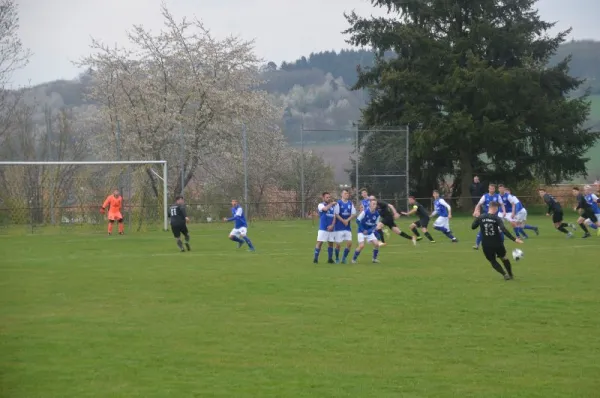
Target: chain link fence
(70,196)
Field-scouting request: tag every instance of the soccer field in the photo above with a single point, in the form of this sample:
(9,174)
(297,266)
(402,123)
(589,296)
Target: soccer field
(87,315)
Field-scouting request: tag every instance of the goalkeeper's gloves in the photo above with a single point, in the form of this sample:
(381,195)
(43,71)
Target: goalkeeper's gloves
(102,210)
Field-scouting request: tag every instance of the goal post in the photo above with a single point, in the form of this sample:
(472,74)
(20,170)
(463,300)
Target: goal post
(40,193)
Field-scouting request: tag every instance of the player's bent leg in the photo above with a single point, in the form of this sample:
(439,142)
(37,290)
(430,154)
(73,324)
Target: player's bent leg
(247,240)
(397,231)
(375,250)
(110,226)
(318,247)
(414,230)
(581,222)
(359,248)
(490,255)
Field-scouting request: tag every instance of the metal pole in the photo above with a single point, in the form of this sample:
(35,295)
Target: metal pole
(245,141)
(302,199)
(118,139)
(407,165)
(165,195)
(356,168)
(182,166)
(49,156)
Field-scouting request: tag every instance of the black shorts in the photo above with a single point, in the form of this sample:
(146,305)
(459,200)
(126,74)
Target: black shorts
(422,223)
(179,229)
(557,216)
(492,251)
(590,215)
(388,221)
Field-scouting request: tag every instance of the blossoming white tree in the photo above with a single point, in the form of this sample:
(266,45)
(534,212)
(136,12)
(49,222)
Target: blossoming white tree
(181,87)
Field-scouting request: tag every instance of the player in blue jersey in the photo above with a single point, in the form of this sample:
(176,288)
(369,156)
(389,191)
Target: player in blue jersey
(364,204)
(326,227)
(367,223)
(518,215)
(483,206)
(594,202)
(344,213)
(442,209)
(240,228)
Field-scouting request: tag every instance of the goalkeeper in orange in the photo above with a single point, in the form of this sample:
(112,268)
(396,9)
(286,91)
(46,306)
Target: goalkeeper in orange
(114,203)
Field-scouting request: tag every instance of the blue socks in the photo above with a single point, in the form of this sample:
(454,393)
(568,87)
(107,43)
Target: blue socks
(337,254)
(593,226)
(330,253)
(248,242)
(375,254)
(346,252)
(478,239)
(446,232)
(356,254)
(236,239)
(317,252)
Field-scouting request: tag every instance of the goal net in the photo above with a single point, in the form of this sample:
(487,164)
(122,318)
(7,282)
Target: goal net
(37,196)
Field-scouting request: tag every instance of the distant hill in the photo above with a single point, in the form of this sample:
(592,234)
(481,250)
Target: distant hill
(315,91)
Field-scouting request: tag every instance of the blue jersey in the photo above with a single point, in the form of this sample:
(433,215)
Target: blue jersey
(365,203)
(237,216)
(325,216)
(345,210)
(487,199)
(506,201)
(593,201)
(367,221)
(439,207)
(514,201)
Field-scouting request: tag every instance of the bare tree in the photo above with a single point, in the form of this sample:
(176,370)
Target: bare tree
(179,85)
(13,56)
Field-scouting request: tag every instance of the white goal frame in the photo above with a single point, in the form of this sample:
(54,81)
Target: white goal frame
(123,162)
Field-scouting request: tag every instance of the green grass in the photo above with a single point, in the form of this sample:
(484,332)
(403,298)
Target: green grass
(86,315)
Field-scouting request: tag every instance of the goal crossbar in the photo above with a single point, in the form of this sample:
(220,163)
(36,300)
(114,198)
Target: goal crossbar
(113,162)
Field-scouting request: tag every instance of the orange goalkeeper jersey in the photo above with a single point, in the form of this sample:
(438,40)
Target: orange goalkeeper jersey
(114,203)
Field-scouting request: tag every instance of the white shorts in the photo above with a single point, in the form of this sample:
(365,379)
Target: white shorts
(442,222)
(237,232)
(325,236)
(521,216)
(369,238)
(343,236)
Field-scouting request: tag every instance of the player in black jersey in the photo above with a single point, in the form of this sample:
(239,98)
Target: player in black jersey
(586,211)
(179,221)
(555,209)
(423,221)
(388,215)
(492,243)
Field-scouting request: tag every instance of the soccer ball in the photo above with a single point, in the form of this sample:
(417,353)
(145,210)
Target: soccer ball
(517,254)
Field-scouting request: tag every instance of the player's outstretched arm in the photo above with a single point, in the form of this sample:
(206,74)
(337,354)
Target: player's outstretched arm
(506,232)
(476,223)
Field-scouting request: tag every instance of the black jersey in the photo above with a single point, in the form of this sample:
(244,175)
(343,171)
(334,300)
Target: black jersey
(384,209)
(553,205)
(583,204)
(420,210)
(177,214)
(492,228)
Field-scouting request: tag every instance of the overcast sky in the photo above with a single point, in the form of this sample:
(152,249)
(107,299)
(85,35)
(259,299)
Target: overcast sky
(59,31)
